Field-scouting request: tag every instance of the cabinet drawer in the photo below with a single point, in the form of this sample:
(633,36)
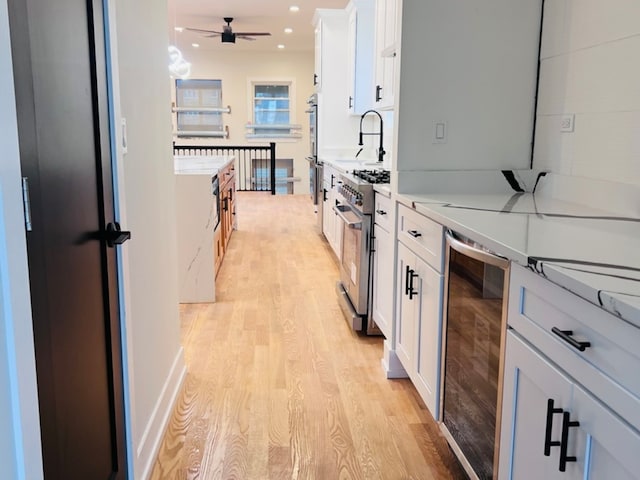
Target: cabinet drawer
(383,213)
(608,367)
(422,235)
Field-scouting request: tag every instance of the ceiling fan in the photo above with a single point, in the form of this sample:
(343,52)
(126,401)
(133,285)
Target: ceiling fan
(227,34)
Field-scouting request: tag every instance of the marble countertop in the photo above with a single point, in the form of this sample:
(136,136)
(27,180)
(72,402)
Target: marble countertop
(589,251)
(200,164)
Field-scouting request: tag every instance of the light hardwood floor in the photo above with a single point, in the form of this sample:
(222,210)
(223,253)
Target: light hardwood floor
(278,386)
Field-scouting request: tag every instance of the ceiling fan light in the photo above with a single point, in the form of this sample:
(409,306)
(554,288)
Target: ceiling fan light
(228,37)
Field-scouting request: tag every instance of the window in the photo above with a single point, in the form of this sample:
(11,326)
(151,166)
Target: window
(271,107)
(272,110)
(199,107)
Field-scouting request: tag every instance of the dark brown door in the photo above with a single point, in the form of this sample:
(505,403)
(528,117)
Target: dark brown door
(61,94)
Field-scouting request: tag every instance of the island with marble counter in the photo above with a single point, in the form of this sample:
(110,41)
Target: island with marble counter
(199,221)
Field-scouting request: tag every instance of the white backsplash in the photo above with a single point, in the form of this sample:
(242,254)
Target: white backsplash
(589,68)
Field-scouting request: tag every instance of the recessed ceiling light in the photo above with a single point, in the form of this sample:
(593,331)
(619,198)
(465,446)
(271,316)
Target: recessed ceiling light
(196,45)
(294,8)
(288,30)
(280,46)
(179,29)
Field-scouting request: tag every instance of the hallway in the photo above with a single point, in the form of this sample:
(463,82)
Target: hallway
(278,386)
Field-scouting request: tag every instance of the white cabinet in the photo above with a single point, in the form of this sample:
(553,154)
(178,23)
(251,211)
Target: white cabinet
(386,41)
(598,444)
(317,65)
(335,126)
(360,40)
(418,320)
(331,222)
(406,315)
(595,387)
(383,266)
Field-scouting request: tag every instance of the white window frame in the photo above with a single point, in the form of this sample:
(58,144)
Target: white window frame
(293,134)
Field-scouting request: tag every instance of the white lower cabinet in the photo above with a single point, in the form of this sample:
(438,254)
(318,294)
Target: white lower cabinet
(383,266)
(418,324)
(331,223)
(563,349)
(547,417)
(382,298)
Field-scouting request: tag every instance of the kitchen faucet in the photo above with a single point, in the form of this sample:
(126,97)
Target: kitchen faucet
(381,151)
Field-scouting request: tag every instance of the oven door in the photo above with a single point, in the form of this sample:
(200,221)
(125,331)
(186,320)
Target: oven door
(355,263)
(476,285)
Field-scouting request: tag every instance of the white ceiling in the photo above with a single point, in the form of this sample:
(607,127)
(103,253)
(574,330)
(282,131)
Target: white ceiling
(248,16)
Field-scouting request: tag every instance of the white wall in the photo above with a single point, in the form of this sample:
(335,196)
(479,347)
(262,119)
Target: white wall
(590,68)
(237,68)
(156,365)
(20,456)
(471,65)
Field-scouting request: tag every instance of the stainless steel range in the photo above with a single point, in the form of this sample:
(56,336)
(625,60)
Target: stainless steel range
(355,208)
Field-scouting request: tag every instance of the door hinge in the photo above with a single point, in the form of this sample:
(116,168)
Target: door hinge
(27,204)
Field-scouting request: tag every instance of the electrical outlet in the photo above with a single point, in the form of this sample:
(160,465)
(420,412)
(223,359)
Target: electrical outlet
(567,123)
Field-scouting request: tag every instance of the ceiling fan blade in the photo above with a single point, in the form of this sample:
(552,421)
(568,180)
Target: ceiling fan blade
(200,30)
(244,37)
(253,34)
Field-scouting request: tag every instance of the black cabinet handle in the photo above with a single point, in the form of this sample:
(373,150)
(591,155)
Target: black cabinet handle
(566,336)
(412,274)
(332,179)
(414,233)
(406,280)
(566,424)
(114,235)
(381,212)
(315,78)
(225,204)
(324,194)
(548,443)
(378,93)
(350,101)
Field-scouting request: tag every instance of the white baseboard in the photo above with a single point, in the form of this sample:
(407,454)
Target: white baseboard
(391,363)
(147,450)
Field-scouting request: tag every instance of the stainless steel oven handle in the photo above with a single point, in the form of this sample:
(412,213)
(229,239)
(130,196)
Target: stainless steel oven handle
(357,225)
(474,252)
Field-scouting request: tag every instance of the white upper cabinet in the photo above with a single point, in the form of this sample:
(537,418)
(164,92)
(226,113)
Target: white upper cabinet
(335,126)
(360,46)
(386,42)
(317,69)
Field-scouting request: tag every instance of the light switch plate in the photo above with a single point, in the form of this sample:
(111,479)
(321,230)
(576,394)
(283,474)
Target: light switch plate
(567,123)
(440,131)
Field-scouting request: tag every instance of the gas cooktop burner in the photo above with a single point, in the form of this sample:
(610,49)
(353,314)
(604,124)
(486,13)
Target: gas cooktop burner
(373,176)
